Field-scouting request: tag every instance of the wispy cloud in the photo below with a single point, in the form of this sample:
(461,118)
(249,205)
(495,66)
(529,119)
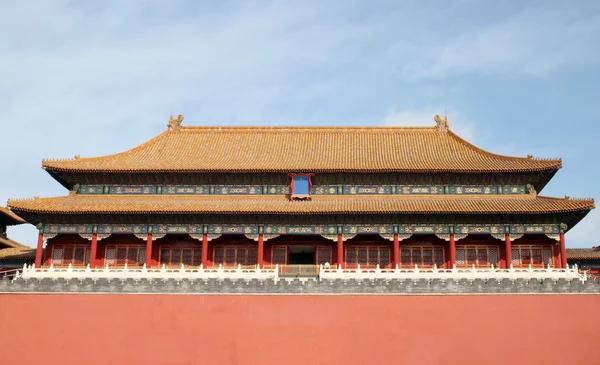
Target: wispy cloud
(535,41)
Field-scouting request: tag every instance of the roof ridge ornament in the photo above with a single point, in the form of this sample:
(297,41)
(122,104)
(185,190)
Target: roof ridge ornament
(175,124)
(441,124)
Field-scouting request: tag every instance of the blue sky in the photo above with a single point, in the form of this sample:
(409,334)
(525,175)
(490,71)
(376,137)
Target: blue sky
(99,77)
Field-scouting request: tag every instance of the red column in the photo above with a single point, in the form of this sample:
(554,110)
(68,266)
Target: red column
(204,250)
(93,250)
(452,251)
(38,252)
(261,249)
(340,251)
(149,250)
(508,249)
(563,251)
(396,251)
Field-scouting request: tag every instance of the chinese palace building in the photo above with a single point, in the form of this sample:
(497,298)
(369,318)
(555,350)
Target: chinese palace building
(343,196)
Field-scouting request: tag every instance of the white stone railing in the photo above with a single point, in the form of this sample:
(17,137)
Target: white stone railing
(183,272)
(416,272)
(239,272)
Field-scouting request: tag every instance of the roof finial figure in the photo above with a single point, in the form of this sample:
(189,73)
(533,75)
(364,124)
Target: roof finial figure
(175,124)
(442,124)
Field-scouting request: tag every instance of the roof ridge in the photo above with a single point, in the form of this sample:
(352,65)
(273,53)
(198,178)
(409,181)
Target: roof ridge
(306,128)
(479,149)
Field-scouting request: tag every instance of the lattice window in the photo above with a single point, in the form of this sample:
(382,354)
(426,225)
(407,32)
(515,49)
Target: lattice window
(132,255)
(460,257)
(57,255)
(405,257)
(368,256)
(538,256)
(180,255)
(548,257)
(351,254)
(235,255)
(422,256)
(75,255)
(516,261)
(111,255)
(480,255)
(219,255)
(323,255)
(279,256)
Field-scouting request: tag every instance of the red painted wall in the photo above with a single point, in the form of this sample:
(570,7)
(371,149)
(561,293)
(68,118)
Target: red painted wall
(222,329)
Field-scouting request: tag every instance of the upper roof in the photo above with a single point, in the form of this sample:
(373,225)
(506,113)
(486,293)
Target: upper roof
(9,218)
(309,149)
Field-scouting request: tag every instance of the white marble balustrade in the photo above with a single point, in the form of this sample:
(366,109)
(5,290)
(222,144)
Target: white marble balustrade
(183,272)
(416,273)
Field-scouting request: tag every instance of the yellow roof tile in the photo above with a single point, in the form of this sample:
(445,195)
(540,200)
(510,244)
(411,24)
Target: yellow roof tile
(316,149)
(115,204)
(9,217)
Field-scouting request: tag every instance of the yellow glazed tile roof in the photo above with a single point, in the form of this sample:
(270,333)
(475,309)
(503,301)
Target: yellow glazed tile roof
(10,243)
(115,204)
(298,149)
(19,253)
(9,217)
(583,253)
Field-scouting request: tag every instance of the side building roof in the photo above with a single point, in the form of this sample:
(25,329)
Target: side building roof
(9,218)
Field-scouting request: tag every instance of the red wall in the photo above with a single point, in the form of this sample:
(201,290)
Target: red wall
(222,329)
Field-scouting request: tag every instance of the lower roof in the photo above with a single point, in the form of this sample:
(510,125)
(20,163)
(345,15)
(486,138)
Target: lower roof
(380,204)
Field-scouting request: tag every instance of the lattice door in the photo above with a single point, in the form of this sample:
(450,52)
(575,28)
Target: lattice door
(279,256)
(323,255)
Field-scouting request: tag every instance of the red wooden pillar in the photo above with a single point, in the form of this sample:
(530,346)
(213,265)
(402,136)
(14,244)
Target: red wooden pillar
(205,250)
(563,251)
(93,250)
(38,252)
(452,251)
(508,249)
(149,250)
(557,260)
(261,249)
(396,251)
(340,251)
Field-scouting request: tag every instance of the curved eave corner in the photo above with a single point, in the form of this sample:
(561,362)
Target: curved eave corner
(10,217)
